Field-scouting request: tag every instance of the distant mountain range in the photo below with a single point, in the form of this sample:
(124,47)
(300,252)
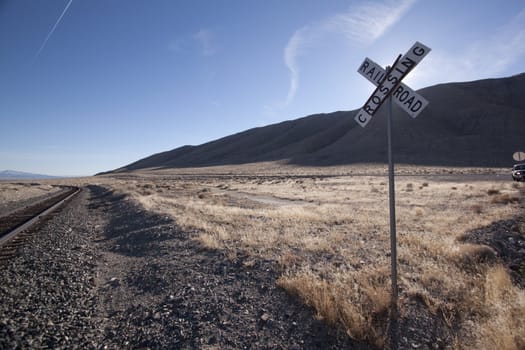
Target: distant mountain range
(479,123)
(20,175)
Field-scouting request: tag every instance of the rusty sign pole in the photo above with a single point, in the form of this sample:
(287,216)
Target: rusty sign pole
(394,325)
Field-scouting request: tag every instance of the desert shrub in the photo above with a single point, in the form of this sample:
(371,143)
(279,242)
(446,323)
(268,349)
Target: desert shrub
(477,208)
(504,198)
(469,256)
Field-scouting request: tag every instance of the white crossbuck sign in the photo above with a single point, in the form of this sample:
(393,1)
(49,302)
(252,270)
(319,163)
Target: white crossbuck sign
(410,101)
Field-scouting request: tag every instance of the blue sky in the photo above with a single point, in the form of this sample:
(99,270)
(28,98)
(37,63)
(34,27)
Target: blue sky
(91,85)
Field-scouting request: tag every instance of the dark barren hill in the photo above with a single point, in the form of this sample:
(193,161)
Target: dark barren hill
(480,123)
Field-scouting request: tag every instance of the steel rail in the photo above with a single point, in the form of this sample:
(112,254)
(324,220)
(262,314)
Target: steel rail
(36,218)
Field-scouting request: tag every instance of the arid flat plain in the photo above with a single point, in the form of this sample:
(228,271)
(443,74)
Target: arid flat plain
(461,241)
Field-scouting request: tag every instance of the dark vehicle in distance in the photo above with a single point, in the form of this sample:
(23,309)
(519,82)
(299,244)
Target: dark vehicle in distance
(518,172)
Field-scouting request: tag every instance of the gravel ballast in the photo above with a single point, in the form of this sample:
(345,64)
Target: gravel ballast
(48,290)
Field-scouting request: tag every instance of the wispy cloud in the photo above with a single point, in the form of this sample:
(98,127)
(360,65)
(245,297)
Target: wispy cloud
(487,57)
(369,21)
(205,38)
(363,23)
(291,51)
(52,30)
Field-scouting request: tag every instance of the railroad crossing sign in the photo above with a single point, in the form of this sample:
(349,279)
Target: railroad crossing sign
(390,84)
(406,98)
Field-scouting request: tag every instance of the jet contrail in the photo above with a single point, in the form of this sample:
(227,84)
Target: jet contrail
(52,30)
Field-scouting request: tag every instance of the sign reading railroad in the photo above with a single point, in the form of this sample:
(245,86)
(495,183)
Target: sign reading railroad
(406,98)
(390,84)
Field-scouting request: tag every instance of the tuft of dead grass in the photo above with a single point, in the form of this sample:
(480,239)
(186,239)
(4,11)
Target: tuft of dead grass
(360,304)
(505,198)
(493,191)
(505,328)
(477,208)
(471,256)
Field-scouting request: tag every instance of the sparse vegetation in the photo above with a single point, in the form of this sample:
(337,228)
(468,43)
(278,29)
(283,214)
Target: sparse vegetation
(19,191)
(359,302)
(505,198)
(492,191)
(330,238)
(477,208)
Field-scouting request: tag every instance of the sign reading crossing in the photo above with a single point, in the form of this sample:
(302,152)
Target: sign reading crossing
(406,98)
(390,82)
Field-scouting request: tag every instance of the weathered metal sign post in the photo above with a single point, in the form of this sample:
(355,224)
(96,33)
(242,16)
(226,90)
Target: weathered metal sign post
(389,86)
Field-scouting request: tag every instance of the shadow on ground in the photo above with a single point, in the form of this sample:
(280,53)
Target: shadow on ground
(507,238)
(199,297)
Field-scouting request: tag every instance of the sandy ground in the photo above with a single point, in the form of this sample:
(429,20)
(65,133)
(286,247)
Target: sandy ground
(14,195)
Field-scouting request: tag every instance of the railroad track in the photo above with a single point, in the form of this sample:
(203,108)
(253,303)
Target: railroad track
(14,227)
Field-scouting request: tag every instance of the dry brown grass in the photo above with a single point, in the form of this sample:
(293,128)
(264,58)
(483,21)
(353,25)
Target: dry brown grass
(330,236)
(492,191)
(469,256)
(504,304)
(505,199)
(358,302)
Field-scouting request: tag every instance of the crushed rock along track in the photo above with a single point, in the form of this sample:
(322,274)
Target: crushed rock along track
(104,273)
